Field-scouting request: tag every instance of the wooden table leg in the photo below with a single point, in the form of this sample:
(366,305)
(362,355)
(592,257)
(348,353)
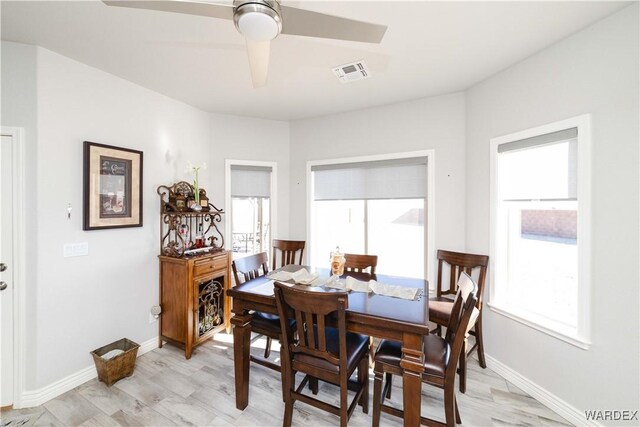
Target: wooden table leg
(413,364)
(241,346)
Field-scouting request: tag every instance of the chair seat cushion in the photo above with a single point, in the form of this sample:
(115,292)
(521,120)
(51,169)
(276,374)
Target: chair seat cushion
(436,354)
(440,310)
(267,316)
(357,346)
(267,324)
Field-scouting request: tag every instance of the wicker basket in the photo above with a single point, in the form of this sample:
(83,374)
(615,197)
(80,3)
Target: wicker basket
(114,369)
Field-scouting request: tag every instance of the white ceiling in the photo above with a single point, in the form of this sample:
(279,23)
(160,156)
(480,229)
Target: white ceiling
(430,48)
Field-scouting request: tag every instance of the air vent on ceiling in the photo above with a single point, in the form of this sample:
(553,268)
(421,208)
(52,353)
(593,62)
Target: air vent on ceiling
(348,73)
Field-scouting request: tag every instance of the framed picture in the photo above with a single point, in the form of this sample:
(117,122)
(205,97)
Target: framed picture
(112,187)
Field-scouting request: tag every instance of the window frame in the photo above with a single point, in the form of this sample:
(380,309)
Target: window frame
(273,196)
(581,336)
(430,250)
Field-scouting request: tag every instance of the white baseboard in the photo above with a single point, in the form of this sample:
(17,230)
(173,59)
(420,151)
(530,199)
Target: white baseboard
(63,385)
(46,393)
(147,346)
(542,395)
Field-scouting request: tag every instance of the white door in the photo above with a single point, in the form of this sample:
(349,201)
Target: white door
(6,282)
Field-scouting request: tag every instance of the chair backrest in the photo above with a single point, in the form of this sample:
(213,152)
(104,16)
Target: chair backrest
(288,249)
(465,285)
(459,262)
(249,267)
(359,263)
(459,324)
(310,310)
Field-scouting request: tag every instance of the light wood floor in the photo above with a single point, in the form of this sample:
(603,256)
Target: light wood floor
(166,389)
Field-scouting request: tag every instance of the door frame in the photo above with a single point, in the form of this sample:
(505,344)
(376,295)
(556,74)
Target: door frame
(19,258)
(273,196)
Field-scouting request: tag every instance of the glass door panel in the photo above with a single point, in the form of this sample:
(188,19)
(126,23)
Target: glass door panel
(210,304)
(337,223)
(396,234)
(250,225)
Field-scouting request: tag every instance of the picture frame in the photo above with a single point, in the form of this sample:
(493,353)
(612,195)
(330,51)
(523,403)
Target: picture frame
(112,187)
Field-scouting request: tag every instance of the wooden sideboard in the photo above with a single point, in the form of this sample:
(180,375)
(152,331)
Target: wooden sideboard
(193,298)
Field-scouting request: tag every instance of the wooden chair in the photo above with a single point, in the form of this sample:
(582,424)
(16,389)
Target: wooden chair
(288,249)
(359,263)
(324,353)
(441,305)
(440,361)
(250,267)
(261,323)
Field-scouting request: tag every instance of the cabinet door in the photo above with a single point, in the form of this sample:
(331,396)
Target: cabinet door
(209,305)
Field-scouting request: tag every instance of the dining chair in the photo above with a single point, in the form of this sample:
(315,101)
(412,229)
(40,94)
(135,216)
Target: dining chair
(360,263)
(266,324)
(249,267)
(441,305)
(356,263)
(287,249)
(321,353)
(440,361)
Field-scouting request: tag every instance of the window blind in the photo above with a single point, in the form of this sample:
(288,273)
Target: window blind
(385,179)
(534,141)
(250,181)
(543,167)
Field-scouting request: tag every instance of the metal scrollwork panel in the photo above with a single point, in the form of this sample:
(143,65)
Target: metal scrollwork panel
(179,224)
(214,236)
(172,240)
(210,305)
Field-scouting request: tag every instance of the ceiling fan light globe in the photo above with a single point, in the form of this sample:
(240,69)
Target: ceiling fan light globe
(257,20)
(257,26)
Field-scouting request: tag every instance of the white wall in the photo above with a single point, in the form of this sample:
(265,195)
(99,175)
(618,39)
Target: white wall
(594,71)
(86,302)
(79,304)
(436,123)
(241,138)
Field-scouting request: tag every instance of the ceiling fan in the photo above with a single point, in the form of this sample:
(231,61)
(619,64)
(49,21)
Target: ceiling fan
(261,21)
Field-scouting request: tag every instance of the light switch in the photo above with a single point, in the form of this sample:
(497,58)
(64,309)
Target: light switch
(75,249)
(82,249)
(68,250)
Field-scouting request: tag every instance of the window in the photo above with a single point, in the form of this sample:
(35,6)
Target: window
(251,202)
(539,234)
(250,225)
(371,207)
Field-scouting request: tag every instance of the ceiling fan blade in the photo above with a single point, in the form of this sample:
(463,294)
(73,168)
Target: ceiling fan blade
(302,22)
(258,61)
(224,11)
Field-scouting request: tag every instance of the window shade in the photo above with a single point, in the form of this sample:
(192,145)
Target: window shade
(540,168)
(250,181)
(386,179)
(534,141)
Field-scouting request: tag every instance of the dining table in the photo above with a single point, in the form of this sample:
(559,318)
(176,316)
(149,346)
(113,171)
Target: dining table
(405,321)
